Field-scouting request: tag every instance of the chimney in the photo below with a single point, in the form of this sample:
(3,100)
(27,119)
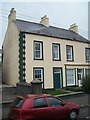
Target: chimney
(12,15)
(74,28)
(45,21)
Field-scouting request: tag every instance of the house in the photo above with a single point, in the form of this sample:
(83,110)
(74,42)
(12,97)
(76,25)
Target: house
(31,51)
(0,66)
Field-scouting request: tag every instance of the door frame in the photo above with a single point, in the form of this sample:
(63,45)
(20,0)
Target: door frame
(61,81)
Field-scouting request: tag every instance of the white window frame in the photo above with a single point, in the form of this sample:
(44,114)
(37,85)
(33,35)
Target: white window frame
(87,54)
(57,52)
(70,76)
(69,53)
(41,72)
(40,50)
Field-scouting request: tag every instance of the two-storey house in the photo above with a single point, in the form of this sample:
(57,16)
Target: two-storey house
(31,51)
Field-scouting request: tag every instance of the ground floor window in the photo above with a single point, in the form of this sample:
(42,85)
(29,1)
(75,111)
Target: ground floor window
(87,71)
(70,77)
(38,74)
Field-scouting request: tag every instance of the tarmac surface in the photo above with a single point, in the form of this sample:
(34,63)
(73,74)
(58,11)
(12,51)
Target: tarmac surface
(84,102)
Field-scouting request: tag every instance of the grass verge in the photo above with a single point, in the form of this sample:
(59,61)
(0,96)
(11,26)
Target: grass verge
(55,92)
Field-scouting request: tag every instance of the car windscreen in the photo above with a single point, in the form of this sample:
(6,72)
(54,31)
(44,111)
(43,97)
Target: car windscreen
(17,103)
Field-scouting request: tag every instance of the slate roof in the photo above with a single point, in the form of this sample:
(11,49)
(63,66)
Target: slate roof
(39,29)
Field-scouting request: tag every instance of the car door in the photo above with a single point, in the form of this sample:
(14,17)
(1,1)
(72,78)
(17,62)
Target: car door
(59,110)
(40,108)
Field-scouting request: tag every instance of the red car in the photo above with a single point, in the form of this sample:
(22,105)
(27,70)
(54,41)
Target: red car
(42,107)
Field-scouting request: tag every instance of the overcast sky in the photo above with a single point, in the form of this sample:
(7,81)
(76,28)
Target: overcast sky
(61,14)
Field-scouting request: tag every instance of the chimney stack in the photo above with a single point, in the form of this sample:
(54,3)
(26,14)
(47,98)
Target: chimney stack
(45,21)
(12,15)
(74,28)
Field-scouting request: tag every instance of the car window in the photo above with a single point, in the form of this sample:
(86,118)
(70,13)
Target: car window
(54,101)
(18,102)
(40,103)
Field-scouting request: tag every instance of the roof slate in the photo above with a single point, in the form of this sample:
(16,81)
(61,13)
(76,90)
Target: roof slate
(36,28)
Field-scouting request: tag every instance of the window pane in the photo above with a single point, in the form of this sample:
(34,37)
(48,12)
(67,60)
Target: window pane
(54,101)
(56,52)
(80,74)
(37,50)
(37,54)
(37,46)
(18,102)
(70,77)
(57,70)
(87,71)
(87,52)
(38,74)
(69,52)
(40,103)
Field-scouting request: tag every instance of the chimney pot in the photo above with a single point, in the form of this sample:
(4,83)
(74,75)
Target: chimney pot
(74,28)
(12,15)
(45,21)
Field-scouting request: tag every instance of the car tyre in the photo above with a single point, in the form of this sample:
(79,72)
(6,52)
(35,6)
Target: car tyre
(73,115)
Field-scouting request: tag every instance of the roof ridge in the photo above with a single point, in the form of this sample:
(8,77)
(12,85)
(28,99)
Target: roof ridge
(53,31)
(42,25)
(46,27)
(58,28)
(29,22)
(66,30)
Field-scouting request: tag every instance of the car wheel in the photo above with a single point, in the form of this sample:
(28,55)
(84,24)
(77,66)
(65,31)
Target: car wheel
(73,115)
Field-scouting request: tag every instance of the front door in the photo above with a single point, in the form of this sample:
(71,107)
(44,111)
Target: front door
(57,77)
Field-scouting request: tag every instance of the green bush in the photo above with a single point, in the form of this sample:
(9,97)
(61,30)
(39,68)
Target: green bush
(86,83)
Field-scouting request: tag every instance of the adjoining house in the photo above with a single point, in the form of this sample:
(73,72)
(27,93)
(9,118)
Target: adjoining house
(31,51)
(0,66)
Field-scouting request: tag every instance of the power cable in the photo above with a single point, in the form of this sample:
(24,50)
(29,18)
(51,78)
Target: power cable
(32,18)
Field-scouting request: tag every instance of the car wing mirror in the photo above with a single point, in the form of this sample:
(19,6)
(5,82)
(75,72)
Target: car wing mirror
(63,103)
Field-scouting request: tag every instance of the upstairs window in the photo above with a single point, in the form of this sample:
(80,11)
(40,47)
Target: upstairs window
(38,50)
(87,54)
(56,51)
(69,52)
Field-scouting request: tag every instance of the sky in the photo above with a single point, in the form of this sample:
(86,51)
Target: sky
(61,14)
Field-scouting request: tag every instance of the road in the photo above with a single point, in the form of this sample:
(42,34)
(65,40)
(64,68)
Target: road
(84,102)
(84,114)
